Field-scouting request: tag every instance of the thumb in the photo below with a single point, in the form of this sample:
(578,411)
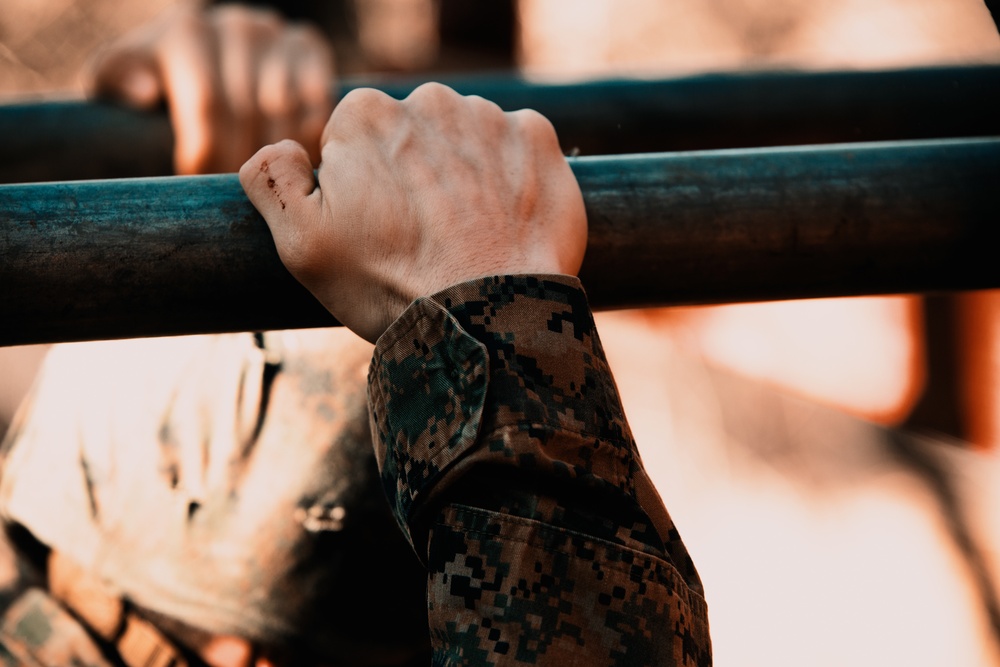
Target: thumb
(280,183)
(128,75)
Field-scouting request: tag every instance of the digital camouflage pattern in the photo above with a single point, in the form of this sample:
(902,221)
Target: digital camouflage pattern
(508,463)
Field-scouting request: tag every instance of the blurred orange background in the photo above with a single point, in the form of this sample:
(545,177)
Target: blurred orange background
(820,542)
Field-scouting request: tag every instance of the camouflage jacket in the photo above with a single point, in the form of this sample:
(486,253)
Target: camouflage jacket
(510,468)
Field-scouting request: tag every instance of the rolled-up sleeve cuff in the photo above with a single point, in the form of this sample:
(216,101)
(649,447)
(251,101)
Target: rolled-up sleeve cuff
(429,378)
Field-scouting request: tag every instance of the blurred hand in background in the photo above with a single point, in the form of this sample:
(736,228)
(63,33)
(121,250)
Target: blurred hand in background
(233,78)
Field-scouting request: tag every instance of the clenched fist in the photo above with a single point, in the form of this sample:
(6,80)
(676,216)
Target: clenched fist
(417,195)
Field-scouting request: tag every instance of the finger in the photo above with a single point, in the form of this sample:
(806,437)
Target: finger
(315,66)
(538,129)
(363,112)
(127,70)
(242,37)
(277,97)
(227,650)
(437,104)
(315,76)
(305,86)
(187,62)
(279,181)
(128,74)
(552,174)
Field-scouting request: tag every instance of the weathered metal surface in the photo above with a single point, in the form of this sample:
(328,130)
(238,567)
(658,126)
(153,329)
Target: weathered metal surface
(76,140)
(143,257)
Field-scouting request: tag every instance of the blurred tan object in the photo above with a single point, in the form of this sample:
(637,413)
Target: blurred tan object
(864,356)
(18,366)
(897,33)
(823,540)
(398,34)
(861,355)
(601,37)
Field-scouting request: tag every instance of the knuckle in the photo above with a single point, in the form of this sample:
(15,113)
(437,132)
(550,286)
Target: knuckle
(309,36)
(274,162)
(361,98)
(367,105)
(251,169)
(286,156)
(433,95)
(488,115)
(288,148)
(246,20)
(229,16)
(258,165)
(267,18)
(536,127)
(432,88)
(484,107)
(535,122)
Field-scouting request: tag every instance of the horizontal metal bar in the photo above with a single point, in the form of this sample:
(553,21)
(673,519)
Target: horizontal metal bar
(144,257)
(77,140)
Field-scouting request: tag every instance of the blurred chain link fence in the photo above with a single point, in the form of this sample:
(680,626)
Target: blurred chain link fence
(46,44)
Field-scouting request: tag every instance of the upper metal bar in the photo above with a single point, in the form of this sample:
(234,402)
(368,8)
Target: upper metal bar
(78,140)
(90,260)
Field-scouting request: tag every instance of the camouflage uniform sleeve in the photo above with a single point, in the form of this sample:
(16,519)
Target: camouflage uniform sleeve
(510,468)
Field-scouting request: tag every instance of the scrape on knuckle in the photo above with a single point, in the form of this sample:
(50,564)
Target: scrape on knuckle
(257,168)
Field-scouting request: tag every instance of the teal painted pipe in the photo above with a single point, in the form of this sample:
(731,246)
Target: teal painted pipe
(146,257)
(78,140)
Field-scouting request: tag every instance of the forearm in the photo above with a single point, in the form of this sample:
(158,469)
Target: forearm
(498,429)
(523,493)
